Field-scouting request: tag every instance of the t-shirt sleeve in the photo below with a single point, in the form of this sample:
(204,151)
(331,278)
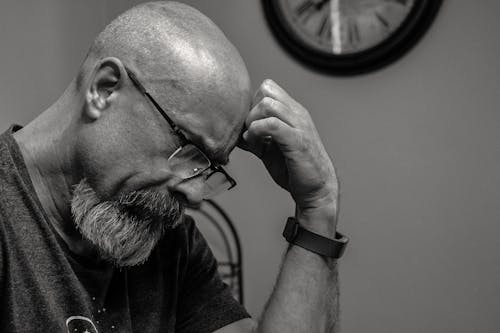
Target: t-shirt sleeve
(205,301)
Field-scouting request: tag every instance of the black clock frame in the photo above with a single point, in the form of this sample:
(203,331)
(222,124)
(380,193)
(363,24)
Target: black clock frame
(389,50)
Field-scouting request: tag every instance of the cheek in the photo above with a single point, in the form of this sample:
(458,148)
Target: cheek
(113,170)
(107,159)
(117,147)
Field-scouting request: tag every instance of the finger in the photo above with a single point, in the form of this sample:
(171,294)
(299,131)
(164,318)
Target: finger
(253,144)
(281,133)
(269,107)
(258,96)
(269,88)
(249,144)
(242,144)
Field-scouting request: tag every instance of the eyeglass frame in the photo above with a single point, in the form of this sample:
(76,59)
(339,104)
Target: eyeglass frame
(177,131)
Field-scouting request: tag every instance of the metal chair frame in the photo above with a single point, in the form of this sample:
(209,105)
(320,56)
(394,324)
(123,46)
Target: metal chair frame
(235,267)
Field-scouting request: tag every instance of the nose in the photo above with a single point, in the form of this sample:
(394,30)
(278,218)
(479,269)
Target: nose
(191,190)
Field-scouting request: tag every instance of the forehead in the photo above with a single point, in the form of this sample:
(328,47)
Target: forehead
(212,121)
(216,133)
(209,103)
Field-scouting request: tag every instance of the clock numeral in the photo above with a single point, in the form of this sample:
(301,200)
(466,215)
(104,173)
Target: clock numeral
(325,26)
(382,20)
(307,8)
(353,32)
(304,7)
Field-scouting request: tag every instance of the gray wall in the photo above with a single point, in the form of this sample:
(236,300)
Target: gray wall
(417,147)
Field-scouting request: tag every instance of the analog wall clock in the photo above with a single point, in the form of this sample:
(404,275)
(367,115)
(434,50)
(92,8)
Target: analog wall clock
(349,36)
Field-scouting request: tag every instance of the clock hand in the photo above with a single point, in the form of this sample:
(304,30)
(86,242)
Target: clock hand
(320,4)
(307,5)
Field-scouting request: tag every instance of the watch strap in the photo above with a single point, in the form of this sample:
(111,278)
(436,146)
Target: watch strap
(294,233)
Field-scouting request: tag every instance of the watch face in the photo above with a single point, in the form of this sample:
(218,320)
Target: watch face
(344,26)
(349,36)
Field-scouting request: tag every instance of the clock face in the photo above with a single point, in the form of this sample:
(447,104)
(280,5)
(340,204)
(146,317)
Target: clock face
(345,26)
(349,35)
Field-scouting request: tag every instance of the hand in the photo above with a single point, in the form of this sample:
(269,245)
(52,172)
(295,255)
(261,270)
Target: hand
(281,133)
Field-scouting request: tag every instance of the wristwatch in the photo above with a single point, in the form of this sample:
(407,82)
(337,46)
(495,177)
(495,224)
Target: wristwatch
(294,233)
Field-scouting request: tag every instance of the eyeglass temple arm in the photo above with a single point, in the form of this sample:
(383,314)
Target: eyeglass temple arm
(143,90)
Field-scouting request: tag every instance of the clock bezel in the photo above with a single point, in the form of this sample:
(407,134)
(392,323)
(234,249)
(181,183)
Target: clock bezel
(406,36)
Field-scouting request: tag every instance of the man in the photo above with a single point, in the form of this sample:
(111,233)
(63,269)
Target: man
(92,225)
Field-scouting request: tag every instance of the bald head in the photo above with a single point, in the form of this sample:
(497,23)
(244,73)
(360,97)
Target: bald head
(174,44)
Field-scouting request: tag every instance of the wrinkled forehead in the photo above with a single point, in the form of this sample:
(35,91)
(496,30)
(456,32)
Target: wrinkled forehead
(210,113)
(205,83)
(215,126)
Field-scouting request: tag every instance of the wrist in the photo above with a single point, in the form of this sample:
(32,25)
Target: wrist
(321,219)
(328,247)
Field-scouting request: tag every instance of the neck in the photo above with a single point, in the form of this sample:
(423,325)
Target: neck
(47,144)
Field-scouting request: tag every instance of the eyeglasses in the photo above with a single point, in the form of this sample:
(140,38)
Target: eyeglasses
(188,161)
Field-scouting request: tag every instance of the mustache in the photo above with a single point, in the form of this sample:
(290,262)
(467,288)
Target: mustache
(151,204)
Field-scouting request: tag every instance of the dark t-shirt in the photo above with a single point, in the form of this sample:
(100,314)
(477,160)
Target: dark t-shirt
(46,288)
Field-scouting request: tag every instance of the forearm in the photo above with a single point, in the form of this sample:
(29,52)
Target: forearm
(305,298)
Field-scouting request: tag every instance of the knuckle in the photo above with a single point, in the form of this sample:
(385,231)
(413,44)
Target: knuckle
(273,123)
(267,83)
(268,104)
(267,112)
(304,144)
(267,86)
(251,126)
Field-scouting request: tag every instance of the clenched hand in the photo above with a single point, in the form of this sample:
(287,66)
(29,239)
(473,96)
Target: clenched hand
(282,134)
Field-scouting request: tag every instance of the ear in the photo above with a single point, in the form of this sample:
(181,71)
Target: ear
(106,81)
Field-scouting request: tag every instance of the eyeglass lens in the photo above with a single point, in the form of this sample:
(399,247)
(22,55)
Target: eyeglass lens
(188,162)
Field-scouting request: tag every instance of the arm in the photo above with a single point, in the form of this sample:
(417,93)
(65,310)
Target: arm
(282,134)
(305,298)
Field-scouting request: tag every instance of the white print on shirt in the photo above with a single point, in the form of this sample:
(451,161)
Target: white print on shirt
(80,324)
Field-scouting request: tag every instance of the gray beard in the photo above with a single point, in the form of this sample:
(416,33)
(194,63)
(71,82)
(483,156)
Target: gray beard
(127,229)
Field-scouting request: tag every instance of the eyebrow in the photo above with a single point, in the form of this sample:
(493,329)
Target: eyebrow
(216,156)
